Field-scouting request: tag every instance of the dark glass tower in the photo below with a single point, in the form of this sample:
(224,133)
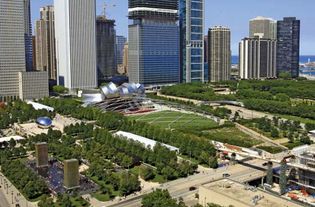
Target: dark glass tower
(288,46)
(153,42)
(28,36)
(105,44)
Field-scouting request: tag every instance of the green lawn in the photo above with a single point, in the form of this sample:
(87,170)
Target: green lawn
(271,149)
(231,135)
(296,118)
(176,120)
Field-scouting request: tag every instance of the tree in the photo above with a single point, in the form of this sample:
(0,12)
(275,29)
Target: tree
(285,75)
(128,183)
(270,174)
(46,201)
(60,89)
(146,173)
(283,177)
(126,161)
(305,139)
(12,143)
(282,97)
(213,162)
(274,133)
(64,201)
(159,198)
(169,173)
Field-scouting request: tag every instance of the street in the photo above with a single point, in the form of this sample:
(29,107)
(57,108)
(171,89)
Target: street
(180,188)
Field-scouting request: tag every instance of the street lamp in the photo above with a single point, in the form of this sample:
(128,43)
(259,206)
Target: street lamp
(12,197)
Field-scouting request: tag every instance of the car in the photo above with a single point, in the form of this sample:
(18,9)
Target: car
(192,188)
(226,175)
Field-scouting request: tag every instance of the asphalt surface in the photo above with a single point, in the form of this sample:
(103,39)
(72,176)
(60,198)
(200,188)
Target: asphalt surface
(180,188)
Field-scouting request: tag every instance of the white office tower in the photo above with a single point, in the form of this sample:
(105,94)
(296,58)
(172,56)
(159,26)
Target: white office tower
(258,58)
(75,28)
(12,47)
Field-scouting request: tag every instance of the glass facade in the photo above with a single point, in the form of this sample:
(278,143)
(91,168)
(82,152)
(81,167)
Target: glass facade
(153,48)
(288,46)
(105,45)
(191,19)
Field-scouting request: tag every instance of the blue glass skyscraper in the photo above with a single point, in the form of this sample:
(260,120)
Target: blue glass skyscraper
(191,22)
(153,55)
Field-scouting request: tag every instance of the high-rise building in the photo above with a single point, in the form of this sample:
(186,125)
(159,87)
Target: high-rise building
(71,174)
(28,36)
(12,47)
(75,30)
(257,58)
(120,44)
(34,51)
(191,21)
(206,67)
(288,46)
(264,27)
(206,48)
(219,54)
(33,85)
(41,153)
(45,42)
(153,42)
(105,41)
(125,60)
(16,51)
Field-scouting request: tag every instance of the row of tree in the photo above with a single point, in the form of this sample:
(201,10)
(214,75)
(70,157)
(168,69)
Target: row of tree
(162,198)
(81,131)
(277,107)
(198,91)
(292,88)
(19,112)
(127,154)
(63,200)
(30,184)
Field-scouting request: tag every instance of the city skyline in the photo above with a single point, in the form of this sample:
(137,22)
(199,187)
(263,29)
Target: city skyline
(227,15)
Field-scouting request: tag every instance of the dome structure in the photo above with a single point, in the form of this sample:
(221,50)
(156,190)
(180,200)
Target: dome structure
(44,122)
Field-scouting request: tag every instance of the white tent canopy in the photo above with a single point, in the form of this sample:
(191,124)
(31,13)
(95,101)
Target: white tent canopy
(149,143)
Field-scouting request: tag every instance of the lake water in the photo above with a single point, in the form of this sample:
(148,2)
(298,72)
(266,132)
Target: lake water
(303,59)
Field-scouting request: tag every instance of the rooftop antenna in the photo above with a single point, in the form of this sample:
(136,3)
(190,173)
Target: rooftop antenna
(105,6)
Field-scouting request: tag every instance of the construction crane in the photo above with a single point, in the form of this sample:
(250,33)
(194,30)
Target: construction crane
(105,7)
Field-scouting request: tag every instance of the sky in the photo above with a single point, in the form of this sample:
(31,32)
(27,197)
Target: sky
(234,14)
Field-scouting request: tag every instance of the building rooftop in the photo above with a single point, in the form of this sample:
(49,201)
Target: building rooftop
(234,192)
(262,18)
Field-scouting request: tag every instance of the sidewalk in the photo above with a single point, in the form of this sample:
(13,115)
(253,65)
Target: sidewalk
(258,136)
(12,195)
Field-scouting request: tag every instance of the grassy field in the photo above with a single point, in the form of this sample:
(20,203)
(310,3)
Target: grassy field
(176,120)
(296,118)
(231,135)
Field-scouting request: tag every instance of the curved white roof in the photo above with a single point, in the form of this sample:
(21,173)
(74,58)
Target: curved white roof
(38,106)
(149,143)
(7,139)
